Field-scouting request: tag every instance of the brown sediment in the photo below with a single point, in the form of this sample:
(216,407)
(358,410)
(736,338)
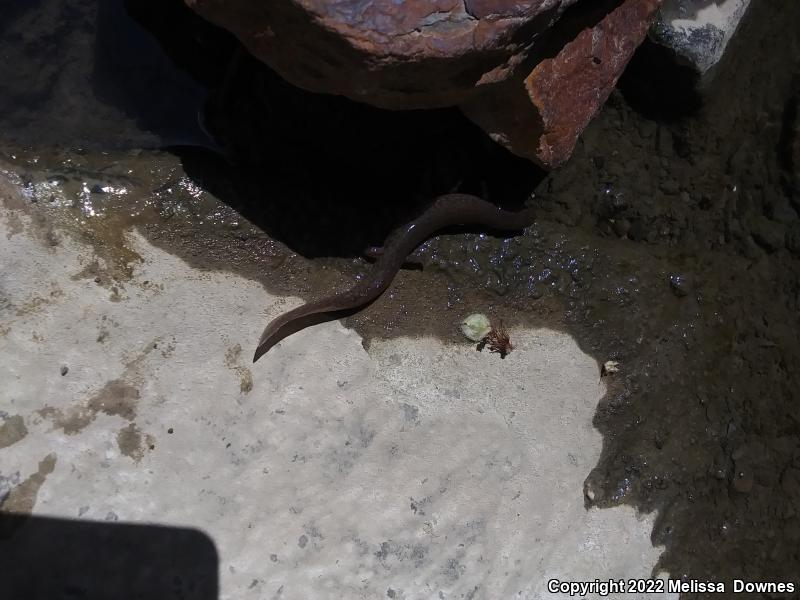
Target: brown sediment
(118,397)
(22,498)
(12,430)
(133,443)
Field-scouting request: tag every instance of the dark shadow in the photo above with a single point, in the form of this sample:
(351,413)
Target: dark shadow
(83,74)
(575,19)
(659,85)
(129,71)
(329,176)
(194,45)
(11,9)
(45,558)
(324,174)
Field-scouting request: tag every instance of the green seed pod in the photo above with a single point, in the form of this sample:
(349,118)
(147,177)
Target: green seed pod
(476,327)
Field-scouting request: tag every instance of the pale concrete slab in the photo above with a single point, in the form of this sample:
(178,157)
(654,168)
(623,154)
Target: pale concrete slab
(699,30)
(414,470)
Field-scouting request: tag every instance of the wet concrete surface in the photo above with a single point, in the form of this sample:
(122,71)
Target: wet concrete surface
(669,243)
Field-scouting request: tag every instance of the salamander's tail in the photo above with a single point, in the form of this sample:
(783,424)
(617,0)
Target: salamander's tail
(264,343)
(280,327)
(291,322)
(261,350)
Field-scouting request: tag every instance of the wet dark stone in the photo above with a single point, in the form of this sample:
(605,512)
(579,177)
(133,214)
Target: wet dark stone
(743,482)
(768,234)
(670,187)
(622,227)
(637,230)
(793,238)
(678,285)
(790,482)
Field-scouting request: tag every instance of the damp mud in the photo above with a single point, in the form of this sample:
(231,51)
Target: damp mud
(669,243)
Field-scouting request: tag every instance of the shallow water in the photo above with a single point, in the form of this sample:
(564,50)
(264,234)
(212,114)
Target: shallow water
(670,242)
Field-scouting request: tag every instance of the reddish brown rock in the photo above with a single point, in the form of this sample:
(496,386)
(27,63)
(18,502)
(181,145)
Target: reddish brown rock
(476,54)
(542,116)
(568,90)
(410,54)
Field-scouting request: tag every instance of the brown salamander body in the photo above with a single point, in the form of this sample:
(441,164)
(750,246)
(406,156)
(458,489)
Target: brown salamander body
(445,211)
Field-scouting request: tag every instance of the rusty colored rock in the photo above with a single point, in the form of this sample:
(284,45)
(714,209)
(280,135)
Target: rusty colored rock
(541,117)
(476,54)
(410,54)
(568,90)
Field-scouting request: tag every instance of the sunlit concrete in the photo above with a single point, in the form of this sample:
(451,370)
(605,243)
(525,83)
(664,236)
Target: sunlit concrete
(413,470)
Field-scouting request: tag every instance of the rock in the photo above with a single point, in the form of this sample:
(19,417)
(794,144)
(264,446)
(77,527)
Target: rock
(698,31)
(412,54)
(622,227)
(793,239)
(679,285)
(569,89)
(664,143)
(647,128)
(671,187)
(637,230)
(542,119)
(743,481)
(476,54)
(790,482)
(782,212)
(768,234)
